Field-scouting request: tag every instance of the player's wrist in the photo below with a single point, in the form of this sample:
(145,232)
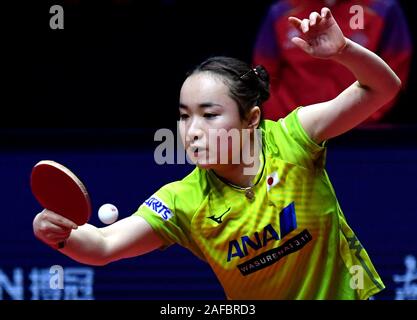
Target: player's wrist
(343,48)
(343,51)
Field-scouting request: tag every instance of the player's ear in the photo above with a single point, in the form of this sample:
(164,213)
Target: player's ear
(254,117)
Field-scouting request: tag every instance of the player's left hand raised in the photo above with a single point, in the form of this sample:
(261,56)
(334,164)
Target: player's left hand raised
(320,35)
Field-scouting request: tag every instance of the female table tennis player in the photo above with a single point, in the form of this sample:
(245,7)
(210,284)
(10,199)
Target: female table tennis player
(277,233)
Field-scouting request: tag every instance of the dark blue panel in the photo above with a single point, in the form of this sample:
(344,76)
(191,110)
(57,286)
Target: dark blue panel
(287,220)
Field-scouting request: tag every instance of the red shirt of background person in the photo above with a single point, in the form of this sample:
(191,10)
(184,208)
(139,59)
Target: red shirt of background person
(384,32)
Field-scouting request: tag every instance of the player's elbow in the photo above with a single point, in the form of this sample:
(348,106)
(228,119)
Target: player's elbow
(102,263)
(394,88)
(98,256)
(397,85)
(95,261)
(388,91)
(107,258)
(101,260)
(109,252)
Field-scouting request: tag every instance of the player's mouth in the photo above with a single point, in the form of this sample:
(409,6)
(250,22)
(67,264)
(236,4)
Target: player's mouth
(196,151)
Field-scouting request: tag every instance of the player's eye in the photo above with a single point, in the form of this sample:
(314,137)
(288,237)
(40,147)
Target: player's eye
(210,115)
(184,116)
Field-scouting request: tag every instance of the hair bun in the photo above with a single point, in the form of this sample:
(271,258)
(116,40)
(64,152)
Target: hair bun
(263,83)
(262,73)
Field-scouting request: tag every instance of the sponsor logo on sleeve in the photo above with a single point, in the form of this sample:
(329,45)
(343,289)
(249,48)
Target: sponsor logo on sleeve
(159,207)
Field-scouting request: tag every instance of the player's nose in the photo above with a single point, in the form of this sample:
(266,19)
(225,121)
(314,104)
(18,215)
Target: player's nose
(195,131)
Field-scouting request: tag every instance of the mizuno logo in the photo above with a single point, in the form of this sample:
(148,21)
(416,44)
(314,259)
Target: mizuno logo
(218,219)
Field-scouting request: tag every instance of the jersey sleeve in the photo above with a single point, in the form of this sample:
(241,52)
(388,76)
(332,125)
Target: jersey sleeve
(160,211)
(288,140)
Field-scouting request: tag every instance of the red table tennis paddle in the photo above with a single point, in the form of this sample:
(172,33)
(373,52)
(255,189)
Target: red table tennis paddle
(58,189)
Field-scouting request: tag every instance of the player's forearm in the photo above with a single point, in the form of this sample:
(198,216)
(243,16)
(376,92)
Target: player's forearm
(87,245)
(370,70)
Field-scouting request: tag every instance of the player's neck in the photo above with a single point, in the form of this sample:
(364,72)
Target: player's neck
(234,174)
(242,174)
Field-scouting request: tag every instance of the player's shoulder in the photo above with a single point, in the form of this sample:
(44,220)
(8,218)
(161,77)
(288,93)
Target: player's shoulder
(190,191)
(286,139)
(278,132)
(196,179)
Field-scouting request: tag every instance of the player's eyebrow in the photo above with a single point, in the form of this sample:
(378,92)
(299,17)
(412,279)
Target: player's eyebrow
(202,105)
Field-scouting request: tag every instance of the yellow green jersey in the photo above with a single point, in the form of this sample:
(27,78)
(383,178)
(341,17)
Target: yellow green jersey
(290,241)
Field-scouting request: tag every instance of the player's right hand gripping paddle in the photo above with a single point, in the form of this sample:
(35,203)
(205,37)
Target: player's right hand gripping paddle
(58,189)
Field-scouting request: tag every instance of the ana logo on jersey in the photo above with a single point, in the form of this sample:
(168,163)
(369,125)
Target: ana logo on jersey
(288,223)
(272,180)
(260,239)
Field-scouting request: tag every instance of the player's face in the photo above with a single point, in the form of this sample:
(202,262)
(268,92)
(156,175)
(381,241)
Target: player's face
(210,124)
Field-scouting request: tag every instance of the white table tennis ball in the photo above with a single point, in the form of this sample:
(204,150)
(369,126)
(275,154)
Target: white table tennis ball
(108,213)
